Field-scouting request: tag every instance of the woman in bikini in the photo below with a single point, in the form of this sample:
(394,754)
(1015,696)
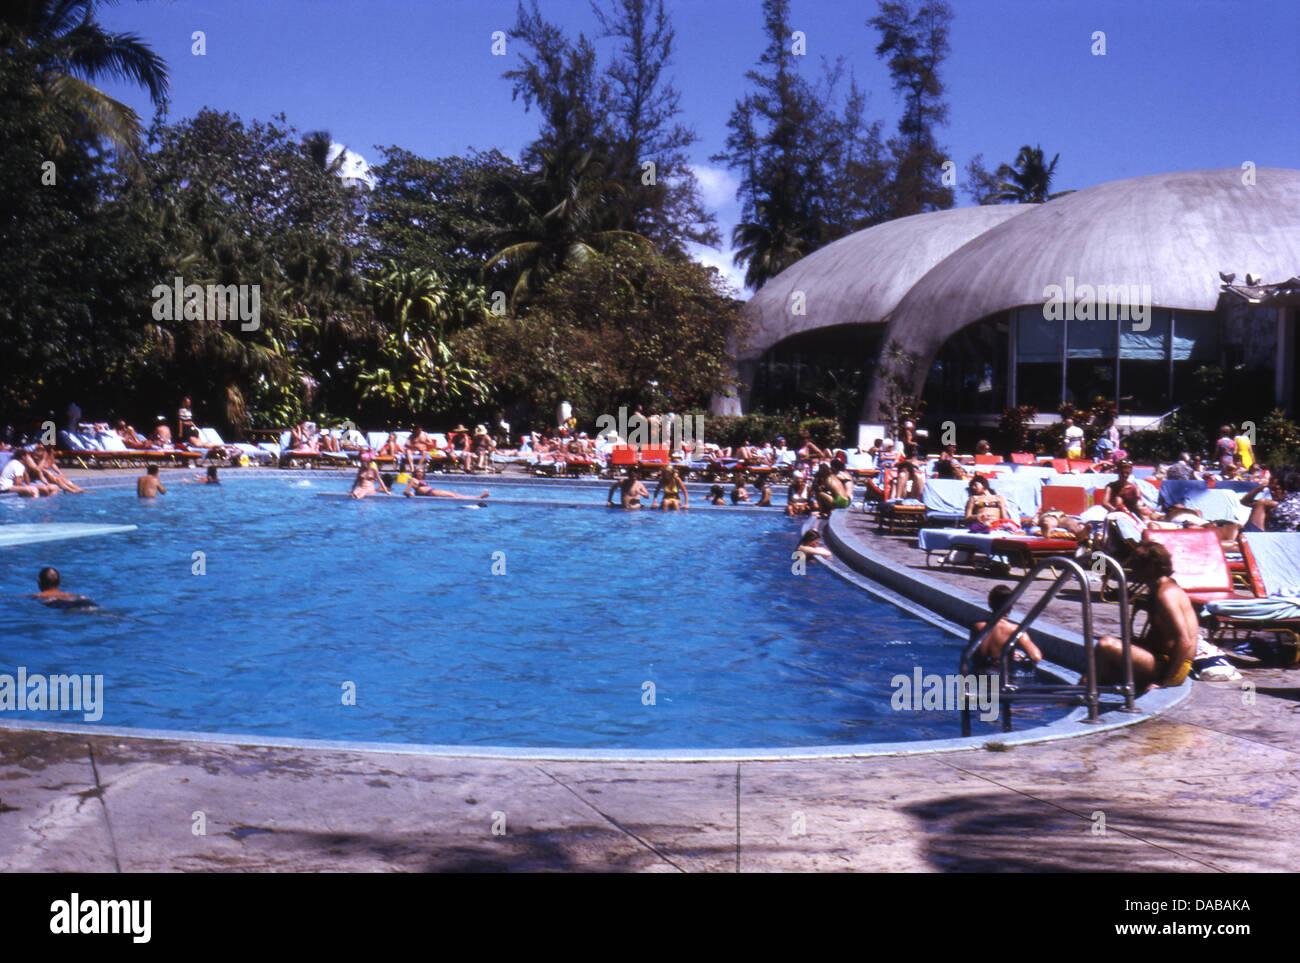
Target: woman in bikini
(368,479)
(674,491)
(986,508)
(419,487)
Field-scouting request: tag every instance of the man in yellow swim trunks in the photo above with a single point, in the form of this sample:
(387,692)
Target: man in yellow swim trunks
(1163,655)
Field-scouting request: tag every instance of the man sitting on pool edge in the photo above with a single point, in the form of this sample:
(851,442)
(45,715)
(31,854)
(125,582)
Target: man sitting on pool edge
(1163,656)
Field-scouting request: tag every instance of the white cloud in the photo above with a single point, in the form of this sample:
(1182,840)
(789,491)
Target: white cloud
(711,257)
(717,186)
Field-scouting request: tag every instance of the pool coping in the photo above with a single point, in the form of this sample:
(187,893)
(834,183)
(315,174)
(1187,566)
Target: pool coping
(1057,641)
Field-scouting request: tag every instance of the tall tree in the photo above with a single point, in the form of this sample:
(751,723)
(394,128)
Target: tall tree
(71,52)
(807,173)
(572,203)
(663,200)
(915,41)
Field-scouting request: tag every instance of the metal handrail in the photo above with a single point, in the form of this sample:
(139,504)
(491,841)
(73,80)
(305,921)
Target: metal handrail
(1090,692)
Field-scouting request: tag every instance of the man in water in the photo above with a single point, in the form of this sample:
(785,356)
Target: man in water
(989,655)
(1163,655)
(149,485)
(418,486)
(632,490)
(53,596)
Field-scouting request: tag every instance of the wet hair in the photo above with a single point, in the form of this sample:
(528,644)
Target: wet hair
(810,536)
(212,473)
(998,596)
(1152,558)
(48,578)
(151,470)
(716,491)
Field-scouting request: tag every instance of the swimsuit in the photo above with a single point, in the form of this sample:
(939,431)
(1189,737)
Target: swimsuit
(1162,668)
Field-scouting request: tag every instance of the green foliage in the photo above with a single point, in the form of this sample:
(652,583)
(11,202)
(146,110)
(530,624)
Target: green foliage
(1278,440)
(414,369)
(732,430)
(898,405)
(620,328)
(811,167)
(916,42)
(1014,427)
(1165,444)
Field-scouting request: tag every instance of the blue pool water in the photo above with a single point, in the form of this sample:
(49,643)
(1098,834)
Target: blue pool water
(303,594)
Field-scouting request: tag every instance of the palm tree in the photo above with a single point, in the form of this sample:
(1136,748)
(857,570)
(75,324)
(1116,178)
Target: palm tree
(1029,181)
(70,52)
(566,212)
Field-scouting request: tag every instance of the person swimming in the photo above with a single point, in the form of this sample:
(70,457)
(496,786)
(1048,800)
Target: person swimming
(51,596)
(717,496)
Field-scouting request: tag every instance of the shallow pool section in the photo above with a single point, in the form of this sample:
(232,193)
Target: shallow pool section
(258,608)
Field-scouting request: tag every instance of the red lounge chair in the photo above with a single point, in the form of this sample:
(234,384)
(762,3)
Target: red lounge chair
(1079,465)
(1199,563)
(1023,458)
(655,456)
(622,456)
(987,460)
(1064,498)
(1061,466)
(1026,552)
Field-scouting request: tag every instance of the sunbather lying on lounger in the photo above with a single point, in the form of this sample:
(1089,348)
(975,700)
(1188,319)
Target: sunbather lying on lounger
(1057,524)
(1164,653)
(418,487)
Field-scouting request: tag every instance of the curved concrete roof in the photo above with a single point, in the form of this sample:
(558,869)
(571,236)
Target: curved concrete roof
(859,279)
(1174,232)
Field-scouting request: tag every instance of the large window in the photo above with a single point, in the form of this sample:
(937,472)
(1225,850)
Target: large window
(1136,360)
(969,374)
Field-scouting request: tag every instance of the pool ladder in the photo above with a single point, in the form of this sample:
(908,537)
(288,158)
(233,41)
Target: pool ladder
(1086,692)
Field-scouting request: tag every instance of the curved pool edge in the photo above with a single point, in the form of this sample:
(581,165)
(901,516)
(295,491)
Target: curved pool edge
(939,601)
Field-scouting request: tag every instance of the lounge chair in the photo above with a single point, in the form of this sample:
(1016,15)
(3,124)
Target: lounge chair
(1200,567)
(1273,563)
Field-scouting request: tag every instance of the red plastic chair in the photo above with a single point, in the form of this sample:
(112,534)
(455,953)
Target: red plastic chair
(1065,498)
(1023,458)
(1200,566)
(987,460)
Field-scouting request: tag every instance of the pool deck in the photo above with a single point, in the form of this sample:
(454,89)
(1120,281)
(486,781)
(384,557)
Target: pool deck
(1212,784)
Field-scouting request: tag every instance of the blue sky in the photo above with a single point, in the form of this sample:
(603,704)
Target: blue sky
(1184,84)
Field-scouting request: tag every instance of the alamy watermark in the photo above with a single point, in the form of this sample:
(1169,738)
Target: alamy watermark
(637,429)
(1102,302)
(920,692)
(53,693)
(215,302)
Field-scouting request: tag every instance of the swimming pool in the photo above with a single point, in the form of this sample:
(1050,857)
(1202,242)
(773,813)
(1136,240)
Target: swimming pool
(520,625)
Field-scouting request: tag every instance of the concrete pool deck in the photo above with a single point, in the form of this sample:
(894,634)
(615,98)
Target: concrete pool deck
(1213,784)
